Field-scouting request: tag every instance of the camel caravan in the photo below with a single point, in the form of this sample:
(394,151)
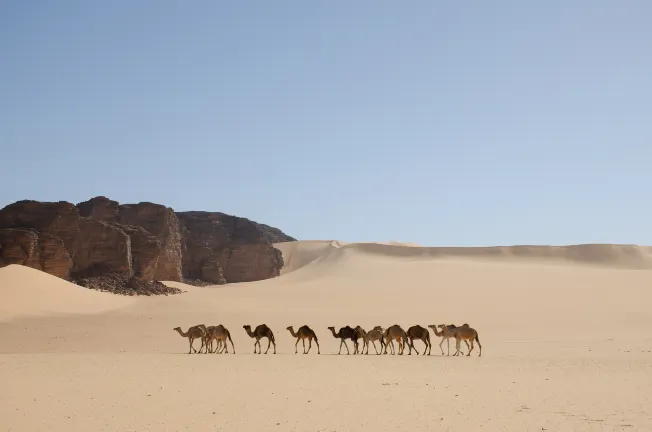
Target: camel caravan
(385,338)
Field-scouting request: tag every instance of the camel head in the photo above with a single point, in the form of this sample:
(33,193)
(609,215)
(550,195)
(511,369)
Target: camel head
(289,328)
(432,326)
(177,329)
(246,327)
(331,328)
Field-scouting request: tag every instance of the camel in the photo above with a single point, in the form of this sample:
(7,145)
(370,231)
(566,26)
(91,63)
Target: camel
(466,333)
(447,332)
(360,333)
(194,332)
(220,334)
(343,334)
(304,333)
(395,333)
(372,336)
(261,331)
(418,332)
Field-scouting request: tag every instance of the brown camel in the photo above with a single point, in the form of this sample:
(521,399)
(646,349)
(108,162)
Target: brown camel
(360,333)
(372,336)
(466,333)
(343,334)
(220,334)
(395,333)
(194,332)
(304,333)
(261,331)
(447,332)
(418,332)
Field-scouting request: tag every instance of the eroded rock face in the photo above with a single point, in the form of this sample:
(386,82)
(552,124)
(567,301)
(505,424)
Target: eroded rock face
(161,222)
(237,246)
(93,246)
(40,251)
(100,242)
(145,252)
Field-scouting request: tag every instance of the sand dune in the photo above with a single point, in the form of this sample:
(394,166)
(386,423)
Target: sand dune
(25,291)
(627,256)
(565,334)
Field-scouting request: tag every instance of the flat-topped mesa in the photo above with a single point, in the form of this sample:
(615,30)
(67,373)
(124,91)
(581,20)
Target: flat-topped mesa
(143,242)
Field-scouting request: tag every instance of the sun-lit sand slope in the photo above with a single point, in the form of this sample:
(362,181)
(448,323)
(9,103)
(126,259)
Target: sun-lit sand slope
(566,335)
(25,291)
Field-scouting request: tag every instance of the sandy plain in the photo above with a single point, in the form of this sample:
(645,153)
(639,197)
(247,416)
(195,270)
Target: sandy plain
(566,336)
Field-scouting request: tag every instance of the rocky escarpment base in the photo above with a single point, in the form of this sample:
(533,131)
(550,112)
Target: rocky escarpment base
(120,284)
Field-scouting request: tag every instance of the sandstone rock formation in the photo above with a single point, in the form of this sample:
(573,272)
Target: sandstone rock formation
(100,243)
(32,249)
(219,247)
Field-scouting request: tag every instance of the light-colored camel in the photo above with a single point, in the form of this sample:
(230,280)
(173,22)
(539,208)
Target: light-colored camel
(343,334)
(466,333)
(194,332)
(360,333)
(220,334)
(418,332)
(446,333)
(304,333)
(261,331)
(395,333)
(372,336)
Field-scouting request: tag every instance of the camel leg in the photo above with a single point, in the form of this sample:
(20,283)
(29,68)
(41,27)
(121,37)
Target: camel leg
(309,345)
(269,342)
(347,347)
(471,349)
(341,342)
(295,346)
(257,343)
(190,343)
(304,345)
(226,347)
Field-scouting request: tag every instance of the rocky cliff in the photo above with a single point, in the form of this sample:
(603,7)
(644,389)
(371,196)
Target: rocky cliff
(127,248)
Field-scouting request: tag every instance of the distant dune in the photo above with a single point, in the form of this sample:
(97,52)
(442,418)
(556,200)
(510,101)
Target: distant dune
(301,253)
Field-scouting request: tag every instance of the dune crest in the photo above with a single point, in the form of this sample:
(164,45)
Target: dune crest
(25,291)
(298,254)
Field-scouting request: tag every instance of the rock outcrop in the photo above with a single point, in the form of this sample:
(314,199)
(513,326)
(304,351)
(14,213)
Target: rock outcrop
(37,250)
(216,246)
(104,245)
(161,222)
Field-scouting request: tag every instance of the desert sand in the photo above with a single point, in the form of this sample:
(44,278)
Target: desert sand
(565,331)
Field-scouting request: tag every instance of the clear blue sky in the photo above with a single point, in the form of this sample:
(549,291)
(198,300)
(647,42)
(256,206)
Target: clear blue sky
(437,122)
